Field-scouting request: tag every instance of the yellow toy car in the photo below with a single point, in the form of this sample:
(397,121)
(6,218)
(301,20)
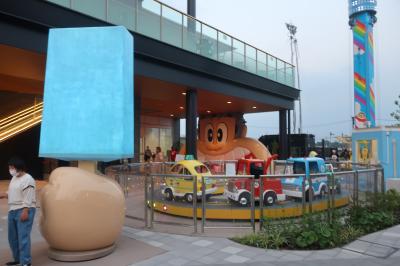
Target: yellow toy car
(183,187)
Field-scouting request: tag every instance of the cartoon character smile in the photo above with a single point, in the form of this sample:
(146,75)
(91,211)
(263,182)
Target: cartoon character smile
(224,138)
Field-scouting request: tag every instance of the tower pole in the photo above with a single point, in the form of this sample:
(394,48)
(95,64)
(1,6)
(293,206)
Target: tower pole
(298,86)
(361,20)
(293,46)
(291,61)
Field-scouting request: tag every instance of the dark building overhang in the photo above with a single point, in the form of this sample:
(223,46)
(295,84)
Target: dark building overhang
(25,24)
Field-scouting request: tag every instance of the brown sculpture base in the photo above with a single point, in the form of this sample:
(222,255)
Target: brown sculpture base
(75,256)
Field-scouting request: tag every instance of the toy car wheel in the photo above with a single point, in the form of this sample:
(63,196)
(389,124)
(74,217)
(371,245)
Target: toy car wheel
(308,195)
(189,197)
(168,194)
(244,199)
(269,198)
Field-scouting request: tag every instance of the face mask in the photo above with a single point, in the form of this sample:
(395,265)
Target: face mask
(13,172)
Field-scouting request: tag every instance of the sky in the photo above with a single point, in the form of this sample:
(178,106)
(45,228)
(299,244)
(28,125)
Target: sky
(325,50)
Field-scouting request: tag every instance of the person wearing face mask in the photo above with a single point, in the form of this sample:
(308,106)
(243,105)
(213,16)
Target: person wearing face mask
(22,207)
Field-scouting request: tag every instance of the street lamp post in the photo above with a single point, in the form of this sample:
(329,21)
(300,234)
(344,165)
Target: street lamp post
(294,52)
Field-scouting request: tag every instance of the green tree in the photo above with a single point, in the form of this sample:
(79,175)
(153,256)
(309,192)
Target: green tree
(396,113)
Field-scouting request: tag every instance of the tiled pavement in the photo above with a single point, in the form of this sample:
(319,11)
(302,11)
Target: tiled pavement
(381,248)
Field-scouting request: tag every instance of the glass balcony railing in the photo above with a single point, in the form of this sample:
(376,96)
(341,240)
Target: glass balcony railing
(161,22)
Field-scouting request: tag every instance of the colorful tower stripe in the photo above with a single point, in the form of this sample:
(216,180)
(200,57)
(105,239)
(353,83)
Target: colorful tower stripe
(364,96)
(359,28)
(359,82)
(372,96)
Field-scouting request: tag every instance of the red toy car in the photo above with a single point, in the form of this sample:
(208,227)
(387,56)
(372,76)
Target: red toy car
(238,190)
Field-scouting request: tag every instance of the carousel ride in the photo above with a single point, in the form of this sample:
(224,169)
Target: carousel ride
(239,174)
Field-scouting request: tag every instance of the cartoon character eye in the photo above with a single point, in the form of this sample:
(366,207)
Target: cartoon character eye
(209,133)
(222,132)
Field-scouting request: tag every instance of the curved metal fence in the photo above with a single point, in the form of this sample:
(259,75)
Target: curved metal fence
(228,201)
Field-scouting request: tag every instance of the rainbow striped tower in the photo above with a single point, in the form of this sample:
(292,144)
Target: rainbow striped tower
(362,19)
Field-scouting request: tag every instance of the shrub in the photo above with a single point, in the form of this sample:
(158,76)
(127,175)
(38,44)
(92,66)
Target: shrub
(321,230)
(368,220)
(387,202)
(254,240)
(347,234)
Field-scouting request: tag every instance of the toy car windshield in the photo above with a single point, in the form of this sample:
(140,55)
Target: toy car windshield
(299,168)
(201,169)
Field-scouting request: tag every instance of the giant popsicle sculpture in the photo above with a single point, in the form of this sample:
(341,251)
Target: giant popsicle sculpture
(87,117)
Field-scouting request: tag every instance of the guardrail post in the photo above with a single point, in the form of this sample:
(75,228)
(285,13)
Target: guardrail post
(355,187)
(195,204)
(126,183)
(146,200)
(333,194)
(382,180)
(261,202)
(303,193)
(253,225)
(310,193)
(330,185)
(203,204)
(124,178)
(151,201)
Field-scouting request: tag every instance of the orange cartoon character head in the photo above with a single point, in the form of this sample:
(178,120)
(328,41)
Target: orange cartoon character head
(224,138)
(216,133)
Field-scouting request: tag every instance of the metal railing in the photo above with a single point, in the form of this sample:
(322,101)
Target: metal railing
(164,23)
(353,185)
(204,202)
(150,199)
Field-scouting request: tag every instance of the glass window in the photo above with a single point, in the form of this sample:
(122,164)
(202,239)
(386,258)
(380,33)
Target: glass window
(299,168)
(241,168)
(208,46)
(289,75)
(224,48)
(94,8)
(238,53)
(191,34)
(165,139)
(185,171)
(176,168)
(261,63)
(250,59)
(149,12)
(152,138)
(271,67)
(201,169)
(122,12)
(171,27)
(314,168)
(281,71)
(65,3)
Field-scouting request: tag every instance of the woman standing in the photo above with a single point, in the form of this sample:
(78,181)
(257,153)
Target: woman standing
(22,207)
(159,155)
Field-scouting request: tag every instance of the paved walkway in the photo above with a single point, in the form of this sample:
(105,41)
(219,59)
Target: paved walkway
(381,248)
(147,248)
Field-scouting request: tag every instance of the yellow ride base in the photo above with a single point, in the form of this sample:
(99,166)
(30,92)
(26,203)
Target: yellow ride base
(238,213)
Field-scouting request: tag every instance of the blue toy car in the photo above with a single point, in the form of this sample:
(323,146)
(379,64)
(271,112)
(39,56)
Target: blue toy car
(292,187)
